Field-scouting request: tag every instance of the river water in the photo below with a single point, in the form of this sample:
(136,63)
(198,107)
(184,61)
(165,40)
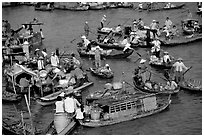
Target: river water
(184,117)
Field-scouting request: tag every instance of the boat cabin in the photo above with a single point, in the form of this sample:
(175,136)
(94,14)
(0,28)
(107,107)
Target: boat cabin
(125,106)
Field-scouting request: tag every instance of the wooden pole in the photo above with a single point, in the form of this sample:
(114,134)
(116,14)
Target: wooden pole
(32,128)
(24,132)
(29,95)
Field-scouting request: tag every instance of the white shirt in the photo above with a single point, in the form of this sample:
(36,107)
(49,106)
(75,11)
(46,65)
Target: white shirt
(54,60)
(59,106)
(124,42)
(127,46)
(118,29)
(79,114)
(40,64)
(156,45)
(69,105)
(179,66)
(86,42)
(166,57)
(44,53)
(168,23)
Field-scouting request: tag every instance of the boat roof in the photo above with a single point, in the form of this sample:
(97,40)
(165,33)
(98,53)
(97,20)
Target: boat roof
(123,98)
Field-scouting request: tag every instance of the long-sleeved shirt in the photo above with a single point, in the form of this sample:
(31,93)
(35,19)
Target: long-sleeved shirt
(168,24)
(69,105)
(86,42)
(166,57)
(179,66)
(59,106)
(54,60)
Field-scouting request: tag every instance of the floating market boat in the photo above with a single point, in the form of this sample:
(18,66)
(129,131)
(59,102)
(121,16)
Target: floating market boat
(51,98)
(157,90)
(111,54)
(166,8)
(124,5)
(188,26)
(181,40)
(116,46)
(61,125)
(106,30)
(121,107)
(97,7)
(8,97)
(105,75)
(158,63)
(191,85)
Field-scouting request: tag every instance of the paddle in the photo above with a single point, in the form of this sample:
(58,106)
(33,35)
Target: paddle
(187,70)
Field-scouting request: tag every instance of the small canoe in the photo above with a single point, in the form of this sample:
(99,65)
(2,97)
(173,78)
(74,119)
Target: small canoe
(164,91)
(51,98)
(171,8)
(181,40)
(105,75)
(191,85)
(107,31)
(109,54)
(124,5)
(44,8)
(110,46)
(51,129)
(98,7)
(77,8)
(10,97)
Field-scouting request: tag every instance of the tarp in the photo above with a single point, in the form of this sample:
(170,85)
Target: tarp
(150,103)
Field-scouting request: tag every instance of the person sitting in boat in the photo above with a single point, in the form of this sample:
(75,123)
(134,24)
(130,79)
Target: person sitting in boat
(40,63)
(156,48)
(171,85)
(118,28)
(54,60)
(85,43)
(99,38)
(166,58)
(168,5)
(74,60)
(167,31)
(140,24)
(196,26)
(137,78)
(179,68)
(127,47)
(140,6)
(125,41)
(174,32)
(148,85)
(103,20)
(143,70)
(79,76)
(106,69)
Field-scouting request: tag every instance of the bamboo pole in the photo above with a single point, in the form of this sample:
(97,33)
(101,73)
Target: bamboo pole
(24,132)
(29,95)
(32,128)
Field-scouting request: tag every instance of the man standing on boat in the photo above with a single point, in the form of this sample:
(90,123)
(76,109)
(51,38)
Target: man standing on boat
(97,57)
(103,20)
(54,60)
(168,23)
(26,50)
(143,71)
(179,68)
(85,43)
(86,29)
(156,47)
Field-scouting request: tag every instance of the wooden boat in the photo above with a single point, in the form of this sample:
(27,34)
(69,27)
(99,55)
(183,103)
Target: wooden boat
(191,85)
(188,26)
(11,126)
(106,75)
(160,64)
(68,127)
(110,54)
(10,97)
(106,30)
(44,6)
(165,8)
(97,7)
(108,45)
(127,107)
(75,8)
(124,5)
(163,91)
(181,40)
(51,98)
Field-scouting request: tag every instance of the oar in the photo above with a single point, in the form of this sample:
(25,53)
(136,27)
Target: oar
(187,70)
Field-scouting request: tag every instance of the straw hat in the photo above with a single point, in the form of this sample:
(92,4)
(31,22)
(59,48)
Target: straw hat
(41,58)
(142,61)
(107,65)
(83,37)
(153,20)
(165,52)
(37,49)
(26,43)
(180,59)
